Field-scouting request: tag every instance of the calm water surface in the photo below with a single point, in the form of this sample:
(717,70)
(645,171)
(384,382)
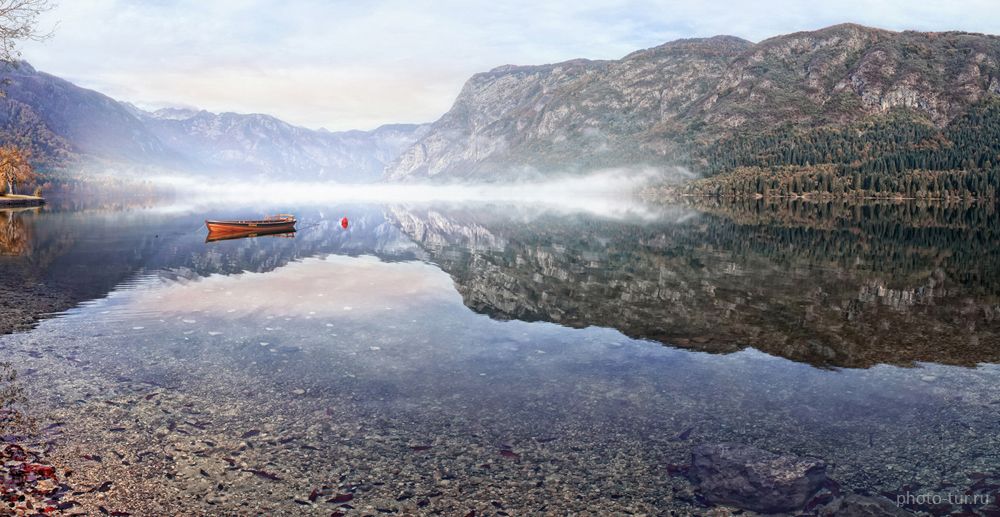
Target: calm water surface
(507,360)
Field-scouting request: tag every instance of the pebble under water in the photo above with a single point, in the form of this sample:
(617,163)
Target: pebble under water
(397,368)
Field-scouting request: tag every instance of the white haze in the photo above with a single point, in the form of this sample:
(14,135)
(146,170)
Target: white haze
(607,193)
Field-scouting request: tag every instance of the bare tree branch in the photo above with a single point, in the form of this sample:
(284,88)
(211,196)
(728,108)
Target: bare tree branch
(19,22)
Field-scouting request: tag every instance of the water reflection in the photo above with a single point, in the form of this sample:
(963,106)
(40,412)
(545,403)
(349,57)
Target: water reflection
(330,287)
(374,378)
(15,236)
(216,237)
(78,256)
(829,285)
(349,359)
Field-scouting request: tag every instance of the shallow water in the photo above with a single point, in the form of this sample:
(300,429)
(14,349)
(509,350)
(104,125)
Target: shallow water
(507,360)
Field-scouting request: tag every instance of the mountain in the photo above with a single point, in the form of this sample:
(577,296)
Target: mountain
(21,124)
(842,73)
(669,104)
(582,113)
(61,122)
(62,125)
(265,146)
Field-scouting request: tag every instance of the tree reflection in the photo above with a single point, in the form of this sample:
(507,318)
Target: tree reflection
(14,234)
(827,284)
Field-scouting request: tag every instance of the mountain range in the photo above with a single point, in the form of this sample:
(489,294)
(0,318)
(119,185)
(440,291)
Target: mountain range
(62,124)
(852,106)
(275,149)
(667,104)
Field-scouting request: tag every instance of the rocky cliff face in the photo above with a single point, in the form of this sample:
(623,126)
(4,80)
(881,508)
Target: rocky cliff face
(582,115)
(263,145)
(842,73)
(568,114)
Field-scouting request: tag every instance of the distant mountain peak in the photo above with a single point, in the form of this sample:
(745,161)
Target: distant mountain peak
(572,63)
(504,68)
(25,68)
(174,113)
(716,45)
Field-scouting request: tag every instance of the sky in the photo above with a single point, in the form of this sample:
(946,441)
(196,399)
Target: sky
(358,64)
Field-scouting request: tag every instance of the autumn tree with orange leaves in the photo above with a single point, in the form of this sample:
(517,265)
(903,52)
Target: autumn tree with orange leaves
(14,166)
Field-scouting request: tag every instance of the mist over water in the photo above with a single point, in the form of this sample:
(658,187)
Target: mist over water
(606,193)
(552,318)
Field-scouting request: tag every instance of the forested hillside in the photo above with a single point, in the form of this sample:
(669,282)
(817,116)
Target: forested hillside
(23,126)
(899,155)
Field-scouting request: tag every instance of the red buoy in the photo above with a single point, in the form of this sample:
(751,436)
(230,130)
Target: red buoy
(343,222)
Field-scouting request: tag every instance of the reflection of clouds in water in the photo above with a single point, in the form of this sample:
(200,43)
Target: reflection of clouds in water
(314,288)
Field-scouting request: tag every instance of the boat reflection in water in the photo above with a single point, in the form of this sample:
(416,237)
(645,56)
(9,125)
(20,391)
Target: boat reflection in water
(246,234)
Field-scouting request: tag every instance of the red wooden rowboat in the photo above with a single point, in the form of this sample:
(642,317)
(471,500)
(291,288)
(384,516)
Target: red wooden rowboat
(273,223)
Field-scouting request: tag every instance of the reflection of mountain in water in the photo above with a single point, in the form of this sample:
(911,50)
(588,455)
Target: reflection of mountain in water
(894,239)
(368,234)
(827,284)
(69,258)
(66,258)
(824,289)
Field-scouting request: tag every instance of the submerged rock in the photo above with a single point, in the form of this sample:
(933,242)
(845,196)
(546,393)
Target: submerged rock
(740,475)
(860,506)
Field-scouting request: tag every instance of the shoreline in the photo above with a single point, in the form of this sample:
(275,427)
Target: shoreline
(659,194)
(16,201)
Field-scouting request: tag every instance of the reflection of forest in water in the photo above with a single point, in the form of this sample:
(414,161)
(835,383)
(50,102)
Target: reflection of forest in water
(23,294)
(14,233)
(897,239)
(829,284)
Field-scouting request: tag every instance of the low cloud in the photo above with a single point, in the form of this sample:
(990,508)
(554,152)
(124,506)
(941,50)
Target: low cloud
(608,192)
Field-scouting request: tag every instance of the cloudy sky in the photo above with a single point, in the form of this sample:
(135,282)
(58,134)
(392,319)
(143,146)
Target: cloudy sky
(357,64)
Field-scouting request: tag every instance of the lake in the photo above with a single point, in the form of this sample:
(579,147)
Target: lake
(501,359)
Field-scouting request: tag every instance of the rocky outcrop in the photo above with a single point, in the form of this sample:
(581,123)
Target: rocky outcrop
(581,115)
(844,72)
(577,113)
(736,474)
